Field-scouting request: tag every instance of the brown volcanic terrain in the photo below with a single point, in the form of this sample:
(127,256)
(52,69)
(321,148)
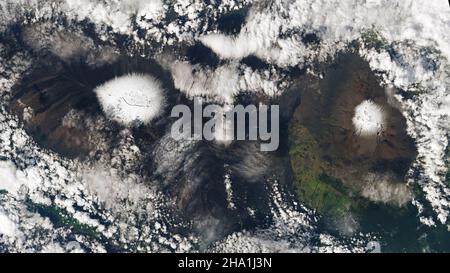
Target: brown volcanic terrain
(330,160)
(50,92)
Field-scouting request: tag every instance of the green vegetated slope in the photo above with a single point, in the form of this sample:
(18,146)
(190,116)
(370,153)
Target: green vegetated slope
(313,185)
(372,38)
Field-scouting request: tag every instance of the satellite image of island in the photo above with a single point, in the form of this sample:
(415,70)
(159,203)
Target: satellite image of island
(224,126)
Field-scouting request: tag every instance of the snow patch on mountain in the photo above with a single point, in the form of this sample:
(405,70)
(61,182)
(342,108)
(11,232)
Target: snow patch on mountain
(369,118)
(131,99)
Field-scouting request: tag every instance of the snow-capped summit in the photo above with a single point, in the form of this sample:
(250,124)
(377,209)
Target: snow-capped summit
(369,118)
(133,98)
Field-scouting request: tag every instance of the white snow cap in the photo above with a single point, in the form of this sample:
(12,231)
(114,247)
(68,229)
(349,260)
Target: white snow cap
(369,118)
(131,99)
